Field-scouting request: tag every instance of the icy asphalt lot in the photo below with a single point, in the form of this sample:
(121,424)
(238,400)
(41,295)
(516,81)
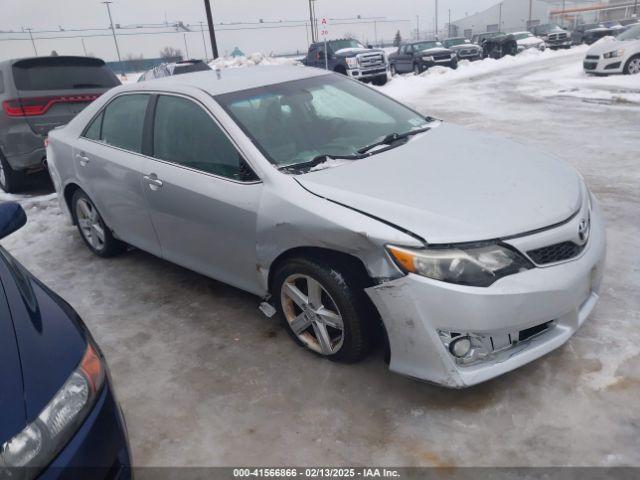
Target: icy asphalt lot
(204,379)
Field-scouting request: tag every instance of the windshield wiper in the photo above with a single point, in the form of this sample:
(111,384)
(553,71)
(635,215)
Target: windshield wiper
(317,160)
(392,138)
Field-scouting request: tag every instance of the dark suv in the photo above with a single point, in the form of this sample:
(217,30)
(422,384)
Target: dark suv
(37,95)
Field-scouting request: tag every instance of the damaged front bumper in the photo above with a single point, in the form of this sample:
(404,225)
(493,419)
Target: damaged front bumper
(513,322)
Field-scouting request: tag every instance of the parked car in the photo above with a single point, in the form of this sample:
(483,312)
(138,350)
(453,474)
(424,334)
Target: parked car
(38,94)
(463,48)
(553,35)
(620,55)
(588,33)
(527,40)
(480,38)
(342,207)
(615,26)
(499,46)
(58,407)
(417,57)
(174,68)
(350,57)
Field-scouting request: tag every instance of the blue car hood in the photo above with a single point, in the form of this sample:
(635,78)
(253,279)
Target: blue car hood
(50,337)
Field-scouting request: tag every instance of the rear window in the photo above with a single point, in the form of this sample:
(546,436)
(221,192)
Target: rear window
(58,73)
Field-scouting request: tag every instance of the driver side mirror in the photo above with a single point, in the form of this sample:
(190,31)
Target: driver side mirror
(12,218)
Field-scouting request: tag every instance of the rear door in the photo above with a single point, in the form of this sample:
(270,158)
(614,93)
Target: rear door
(203,197)
(110,165)
(53,90)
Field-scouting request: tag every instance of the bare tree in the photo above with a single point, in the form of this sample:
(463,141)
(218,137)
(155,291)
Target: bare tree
(170,54)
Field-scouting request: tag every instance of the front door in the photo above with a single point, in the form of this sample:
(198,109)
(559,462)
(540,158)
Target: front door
(203,198)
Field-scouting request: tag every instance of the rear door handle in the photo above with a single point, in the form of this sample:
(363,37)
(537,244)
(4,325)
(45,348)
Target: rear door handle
(153,181)
(84,160)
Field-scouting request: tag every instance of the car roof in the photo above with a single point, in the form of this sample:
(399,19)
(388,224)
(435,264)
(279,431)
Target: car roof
(227,80)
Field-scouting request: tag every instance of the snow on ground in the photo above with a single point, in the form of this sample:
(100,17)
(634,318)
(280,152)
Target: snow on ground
(407,87)
(251,61)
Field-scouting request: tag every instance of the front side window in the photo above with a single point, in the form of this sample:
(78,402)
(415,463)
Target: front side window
(185,134)
(294,122)
(123,122)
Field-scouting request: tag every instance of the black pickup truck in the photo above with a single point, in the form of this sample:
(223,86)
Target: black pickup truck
(351,58)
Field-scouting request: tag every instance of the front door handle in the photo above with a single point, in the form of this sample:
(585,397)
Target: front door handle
(84,160)
(153,181)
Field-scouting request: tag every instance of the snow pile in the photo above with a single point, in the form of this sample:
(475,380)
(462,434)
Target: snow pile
(570,81)
(251,61)
(329,163)
(407,87)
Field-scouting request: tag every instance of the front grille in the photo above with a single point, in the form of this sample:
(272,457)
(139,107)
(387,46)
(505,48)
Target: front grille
(467,53)
(590,66)
(555,253)
(440,58)
(593,57)
(371,60)
(533,331)
(556,37)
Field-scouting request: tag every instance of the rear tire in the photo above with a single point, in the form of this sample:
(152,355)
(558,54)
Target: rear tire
(9,178)
(94,232)
(632,67)
(335,321)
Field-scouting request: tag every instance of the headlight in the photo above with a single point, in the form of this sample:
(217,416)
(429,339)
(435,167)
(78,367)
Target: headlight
(352,62)
(427,58)
(36,445)
(474,265)
(614,54)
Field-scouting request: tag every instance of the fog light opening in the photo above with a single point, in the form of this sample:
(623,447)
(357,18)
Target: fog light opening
(460,347)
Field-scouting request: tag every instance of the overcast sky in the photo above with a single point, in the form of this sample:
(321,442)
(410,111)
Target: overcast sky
(77,14)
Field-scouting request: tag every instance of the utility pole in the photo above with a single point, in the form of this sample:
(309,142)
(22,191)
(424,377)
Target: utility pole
(563,5)
(204,43)
(32,40)
(311,21)
(635,8)
(500,19)
(115,40)
(417,27)
(449,36)
(212,32)
(436,20)
(530,14)
(186,47)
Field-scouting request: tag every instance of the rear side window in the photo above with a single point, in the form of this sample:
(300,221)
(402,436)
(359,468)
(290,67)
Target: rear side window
(123,122)
(59,73)
(185,134)
(94,130)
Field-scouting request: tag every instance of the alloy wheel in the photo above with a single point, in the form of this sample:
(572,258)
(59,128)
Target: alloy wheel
(634,66)
(91,225)
(312,314)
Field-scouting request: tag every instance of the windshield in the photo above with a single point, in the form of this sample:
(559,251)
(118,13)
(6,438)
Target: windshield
(295,122)
(342,44)
(426,45)
(612,24)
(522,36)
(632,34)
(455,41)
(547,28)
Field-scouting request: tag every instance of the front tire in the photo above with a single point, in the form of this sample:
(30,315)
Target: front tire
(95,233)
(9,178)
(323,309)
(380,80)
(416,69)
(632,67)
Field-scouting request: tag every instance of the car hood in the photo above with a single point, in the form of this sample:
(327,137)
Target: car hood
(351,52)
(453,185)
(604,45)
(530,41)
(434,51)
(464,46)
(13,418)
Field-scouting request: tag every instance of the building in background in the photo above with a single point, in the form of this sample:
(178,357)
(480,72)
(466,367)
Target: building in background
(515,15)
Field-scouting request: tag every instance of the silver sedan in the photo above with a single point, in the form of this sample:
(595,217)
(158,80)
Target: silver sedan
(354,217)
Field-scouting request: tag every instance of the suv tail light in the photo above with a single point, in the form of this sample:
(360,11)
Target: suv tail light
(33,106)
